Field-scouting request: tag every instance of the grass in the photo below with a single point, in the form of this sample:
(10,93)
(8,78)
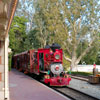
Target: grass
(82,73)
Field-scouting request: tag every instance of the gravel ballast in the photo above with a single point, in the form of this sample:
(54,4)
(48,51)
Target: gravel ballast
(83,86)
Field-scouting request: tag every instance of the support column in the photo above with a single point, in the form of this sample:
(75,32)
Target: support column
(2,70)
(6,69)
(4,84)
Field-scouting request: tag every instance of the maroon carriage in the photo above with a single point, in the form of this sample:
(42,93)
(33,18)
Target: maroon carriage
(46,62)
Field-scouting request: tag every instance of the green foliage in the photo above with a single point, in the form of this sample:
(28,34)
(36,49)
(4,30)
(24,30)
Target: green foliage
(98,58)
(91,57)
(66,65)
(17,34)
(9,61)
(32,41)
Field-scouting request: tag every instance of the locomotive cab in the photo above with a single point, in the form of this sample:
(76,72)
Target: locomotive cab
(50,58)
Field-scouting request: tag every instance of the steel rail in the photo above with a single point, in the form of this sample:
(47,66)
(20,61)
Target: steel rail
(84,95)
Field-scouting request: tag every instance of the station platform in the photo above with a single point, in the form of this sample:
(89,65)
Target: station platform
(23,87)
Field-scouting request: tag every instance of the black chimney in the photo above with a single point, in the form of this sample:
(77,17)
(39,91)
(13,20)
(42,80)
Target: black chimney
(55,46)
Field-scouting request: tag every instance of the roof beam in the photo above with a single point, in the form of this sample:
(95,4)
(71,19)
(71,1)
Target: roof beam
(7,10)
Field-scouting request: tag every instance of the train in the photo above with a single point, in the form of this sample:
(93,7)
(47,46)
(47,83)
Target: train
(47,63)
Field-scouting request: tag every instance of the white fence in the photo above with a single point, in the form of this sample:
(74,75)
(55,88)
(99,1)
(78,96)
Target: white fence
(86,68)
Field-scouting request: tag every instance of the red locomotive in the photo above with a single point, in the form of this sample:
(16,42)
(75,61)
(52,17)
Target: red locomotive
(46,63)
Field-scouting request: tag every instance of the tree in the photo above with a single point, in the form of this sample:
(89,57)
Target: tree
(25,8)
(91,57)
(32,41)
(40,22)
(83,27)
(45,19)
(70,23)
(17,34)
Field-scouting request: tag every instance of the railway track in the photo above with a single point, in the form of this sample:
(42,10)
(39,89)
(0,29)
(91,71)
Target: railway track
(74,94)
(71,93)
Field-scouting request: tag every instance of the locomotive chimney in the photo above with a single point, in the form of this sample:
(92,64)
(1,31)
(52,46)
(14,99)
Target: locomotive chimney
(55,46)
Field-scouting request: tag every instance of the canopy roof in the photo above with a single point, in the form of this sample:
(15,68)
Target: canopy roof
(7,10)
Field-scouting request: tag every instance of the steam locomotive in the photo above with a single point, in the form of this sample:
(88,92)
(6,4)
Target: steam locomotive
(45,63)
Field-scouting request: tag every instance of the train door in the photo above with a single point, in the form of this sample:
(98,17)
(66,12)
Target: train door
(41,61)
(35,64)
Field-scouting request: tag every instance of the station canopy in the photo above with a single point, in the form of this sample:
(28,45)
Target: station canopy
(7,10)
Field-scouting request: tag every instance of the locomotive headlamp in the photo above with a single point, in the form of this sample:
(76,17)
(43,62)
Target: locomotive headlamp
(57,56)
(57,68)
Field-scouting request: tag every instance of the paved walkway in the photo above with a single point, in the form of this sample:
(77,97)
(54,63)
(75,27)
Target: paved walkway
(23,87)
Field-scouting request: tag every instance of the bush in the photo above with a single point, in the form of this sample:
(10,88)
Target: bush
(9,61)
